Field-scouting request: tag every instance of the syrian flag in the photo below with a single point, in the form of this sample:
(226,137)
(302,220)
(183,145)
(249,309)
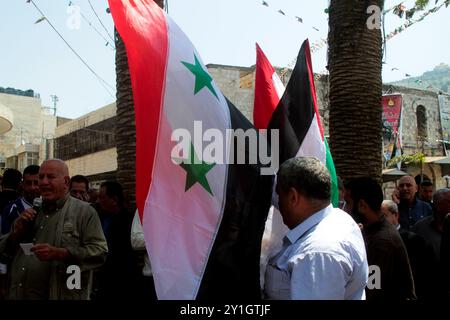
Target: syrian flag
(297,117)
(202,218)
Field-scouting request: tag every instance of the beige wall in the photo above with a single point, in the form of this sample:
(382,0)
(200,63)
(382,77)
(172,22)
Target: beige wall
(412,98)
(228,79)
(31,124)
(94,163)
(88,119)
(26,115)
(237,84)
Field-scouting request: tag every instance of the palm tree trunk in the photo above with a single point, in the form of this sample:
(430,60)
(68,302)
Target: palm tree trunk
(125,124)
(355,61)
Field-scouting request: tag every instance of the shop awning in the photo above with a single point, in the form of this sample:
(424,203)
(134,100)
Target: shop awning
(443,161)
(392,174)
(438,160)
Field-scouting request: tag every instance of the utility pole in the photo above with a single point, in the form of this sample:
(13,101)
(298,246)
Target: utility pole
(55,99)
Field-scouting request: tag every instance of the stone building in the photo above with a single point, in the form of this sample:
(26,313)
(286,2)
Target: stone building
(88,145)
(421,117)
(238,84)
(32,128)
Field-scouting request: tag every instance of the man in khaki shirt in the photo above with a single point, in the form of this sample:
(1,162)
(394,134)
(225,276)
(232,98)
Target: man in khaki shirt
(65,232)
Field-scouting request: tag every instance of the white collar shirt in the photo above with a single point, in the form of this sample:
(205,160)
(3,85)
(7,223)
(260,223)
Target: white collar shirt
(323,258)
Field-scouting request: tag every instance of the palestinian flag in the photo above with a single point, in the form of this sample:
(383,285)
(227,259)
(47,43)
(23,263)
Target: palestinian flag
(268,90)
(203,219)
(297,117)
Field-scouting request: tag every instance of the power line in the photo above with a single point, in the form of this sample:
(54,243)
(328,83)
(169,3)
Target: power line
(108,43)
(102,81)
(106,30)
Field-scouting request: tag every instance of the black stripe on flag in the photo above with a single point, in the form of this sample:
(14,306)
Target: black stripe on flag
(232,271)
(295,111)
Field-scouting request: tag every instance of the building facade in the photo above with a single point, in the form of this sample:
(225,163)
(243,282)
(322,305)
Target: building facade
(33,127)
(423,129)
(88,145)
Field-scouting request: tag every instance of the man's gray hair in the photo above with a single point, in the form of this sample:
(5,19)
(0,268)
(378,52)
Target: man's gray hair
(391,206)
(307,175)
(439,194)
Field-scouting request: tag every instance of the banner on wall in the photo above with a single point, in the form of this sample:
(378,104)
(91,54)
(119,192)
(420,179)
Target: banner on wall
(444,104)
(392,125)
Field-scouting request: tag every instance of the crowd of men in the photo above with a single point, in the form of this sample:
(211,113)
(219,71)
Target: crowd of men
(63,223)
(369,248)
(376,250)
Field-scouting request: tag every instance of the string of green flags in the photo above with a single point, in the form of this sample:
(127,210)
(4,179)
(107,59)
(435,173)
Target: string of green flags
(283,13)
(400,10)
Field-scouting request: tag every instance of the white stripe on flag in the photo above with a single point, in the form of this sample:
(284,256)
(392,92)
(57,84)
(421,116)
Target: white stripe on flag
(278,85)
(180,225)
(313,145)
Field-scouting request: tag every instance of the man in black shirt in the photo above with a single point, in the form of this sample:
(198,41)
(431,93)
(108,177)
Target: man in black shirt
(445,256)
(120,272)
(419,253)
(10,186)
(385,248)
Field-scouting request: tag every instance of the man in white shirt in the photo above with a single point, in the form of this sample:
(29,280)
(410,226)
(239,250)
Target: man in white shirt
(138,243)
(323,255)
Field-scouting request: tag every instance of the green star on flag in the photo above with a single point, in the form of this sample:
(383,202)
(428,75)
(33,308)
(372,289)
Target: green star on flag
(202,78)
(196,171)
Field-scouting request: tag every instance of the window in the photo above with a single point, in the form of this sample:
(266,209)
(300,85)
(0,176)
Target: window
(32,158)
(421,114)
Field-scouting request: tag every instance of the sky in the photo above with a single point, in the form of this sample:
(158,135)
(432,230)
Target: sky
(223,31)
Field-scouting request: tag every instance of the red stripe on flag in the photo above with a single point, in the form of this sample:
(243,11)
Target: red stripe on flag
(312,86)
(266,96)
(143,28)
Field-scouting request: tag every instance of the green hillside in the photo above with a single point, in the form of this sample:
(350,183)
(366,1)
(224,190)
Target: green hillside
(439,78)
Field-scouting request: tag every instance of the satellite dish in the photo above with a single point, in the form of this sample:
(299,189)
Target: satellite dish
(6,119)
